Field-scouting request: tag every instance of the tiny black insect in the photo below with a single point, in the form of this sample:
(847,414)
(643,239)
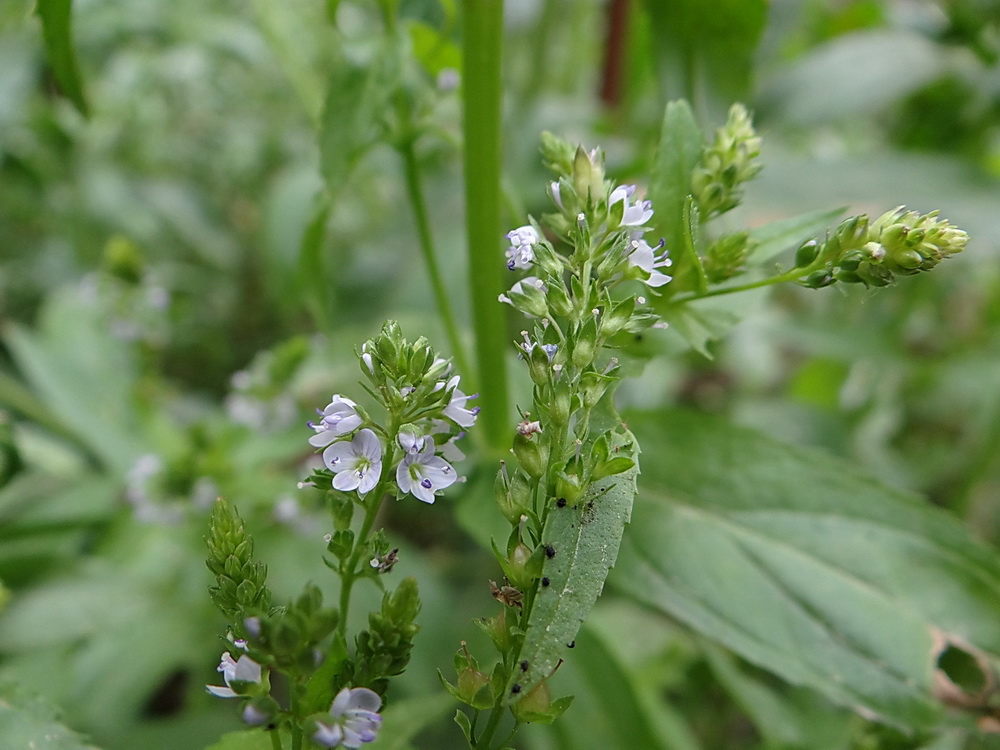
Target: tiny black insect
(515,688)
(524,665)
(572,644)
(545,581)
(561,502)
(550,551)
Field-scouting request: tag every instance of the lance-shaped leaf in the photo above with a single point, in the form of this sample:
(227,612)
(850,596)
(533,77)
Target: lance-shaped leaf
(57,31)
(581,545)
(805,566)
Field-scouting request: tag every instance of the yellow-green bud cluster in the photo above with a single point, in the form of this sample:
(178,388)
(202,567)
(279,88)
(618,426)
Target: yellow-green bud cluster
(726,164)
(724,258)
(239,588)
(873,253)
(407,375)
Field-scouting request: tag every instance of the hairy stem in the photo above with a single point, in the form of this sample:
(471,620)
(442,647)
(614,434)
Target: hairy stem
(482,31)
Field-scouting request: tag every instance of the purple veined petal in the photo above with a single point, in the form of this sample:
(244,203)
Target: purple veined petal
(370,478)
(339,455)
(403,478)
(247,670)
(366,444)
(363,699)
(345,481)
(221,692)
(328,736)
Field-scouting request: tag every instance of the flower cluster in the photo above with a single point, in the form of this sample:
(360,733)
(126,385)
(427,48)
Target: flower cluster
(873,253)
(428,412)
(605,224)
(731,160)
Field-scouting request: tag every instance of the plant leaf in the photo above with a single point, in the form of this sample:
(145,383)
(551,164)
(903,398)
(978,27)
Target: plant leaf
(57,31)
(584,540)
(28,721)
(354,114)
(777,236)
(670,181)
(805,566)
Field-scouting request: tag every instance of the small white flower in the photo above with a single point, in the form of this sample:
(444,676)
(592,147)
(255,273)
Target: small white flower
(340,417)
(456,410)
(421,474)
(354,719)
(357,464)
(244,670)
(521,253)
(635,214)
(644,257)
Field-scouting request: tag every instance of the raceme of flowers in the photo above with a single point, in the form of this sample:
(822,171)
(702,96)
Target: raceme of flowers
(355,456)
(643,261)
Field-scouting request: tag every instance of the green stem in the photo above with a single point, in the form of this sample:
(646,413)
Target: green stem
(275,740)
(795,273)
(482,33)
(415,192)
(496,715)
(296,730)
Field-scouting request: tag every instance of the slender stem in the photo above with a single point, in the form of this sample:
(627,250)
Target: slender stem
(482,32)
(350,573)
(792,275)
(275,740)
(496,715)
(296,730)
(415,192)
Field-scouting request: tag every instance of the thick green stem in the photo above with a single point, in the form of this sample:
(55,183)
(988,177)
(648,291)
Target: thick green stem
(482,30)
(275,740)
(415,193)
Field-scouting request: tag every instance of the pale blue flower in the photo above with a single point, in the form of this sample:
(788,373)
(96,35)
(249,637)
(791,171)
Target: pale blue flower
(521,253)
(635,214)
(645,258)
(456,409)
(354,719)
(357,464)
(244,670)
(340,417)
(422,474)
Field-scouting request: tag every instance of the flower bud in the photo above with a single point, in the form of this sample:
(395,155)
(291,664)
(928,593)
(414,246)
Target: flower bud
(568,488)
(513,498)
(818,279)
(588,176)
(585,345)
(562,402)
(537,701)
(808,252)
(530,455)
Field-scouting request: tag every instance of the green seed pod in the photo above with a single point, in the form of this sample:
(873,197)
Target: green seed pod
(530,455)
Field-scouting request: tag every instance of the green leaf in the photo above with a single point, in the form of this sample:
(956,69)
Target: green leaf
(670,181)
(699,324)
(804,566)
(777,236)
(247,739)
(584,542)
(57,32)
(433,50)
(706,49)
(354,115)
(28,721)
(405,719)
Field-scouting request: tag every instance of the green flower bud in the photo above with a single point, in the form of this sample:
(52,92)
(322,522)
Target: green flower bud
(818,279)
(588,176)
(807,253)
(530,455)
(585,343)
(568,488)
(513,498)
(557,153)
(498,631)
(562,402)
(558,300)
